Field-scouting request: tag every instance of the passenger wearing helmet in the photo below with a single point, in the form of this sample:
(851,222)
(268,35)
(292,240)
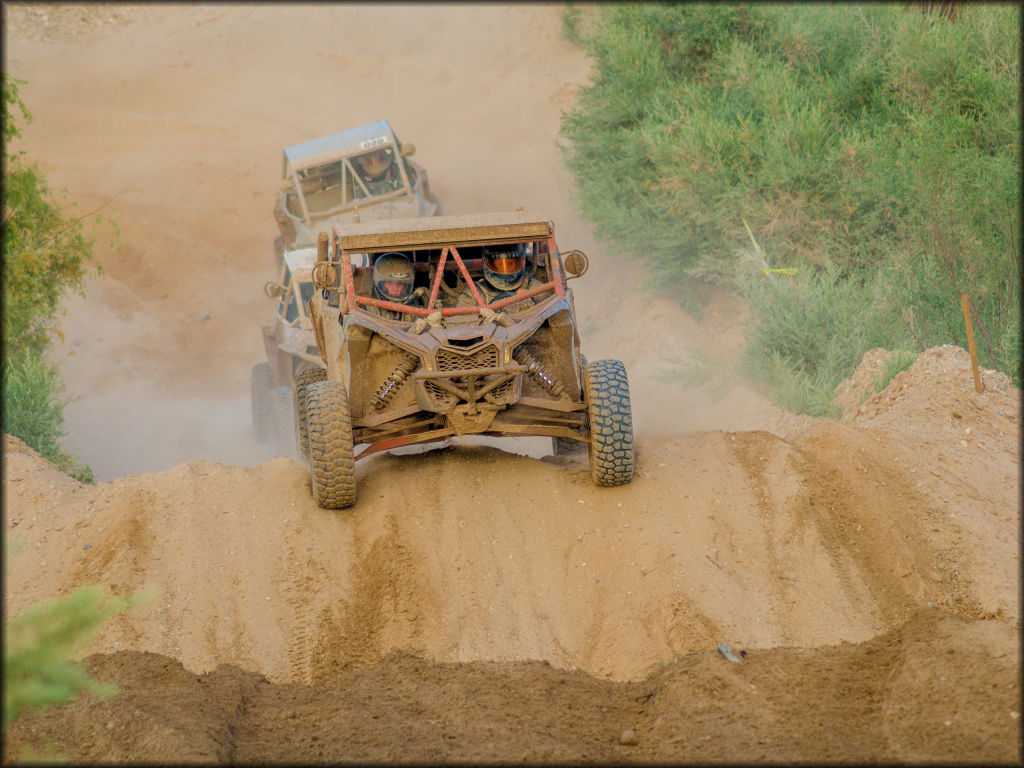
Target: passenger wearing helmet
(378,170)
(393,279)
(505,272)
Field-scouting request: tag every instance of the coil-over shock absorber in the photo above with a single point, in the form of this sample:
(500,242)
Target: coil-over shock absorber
(394,380)
(548,383)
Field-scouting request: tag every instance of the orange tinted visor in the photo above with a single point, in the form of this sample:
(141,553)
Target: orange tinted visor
(507,265)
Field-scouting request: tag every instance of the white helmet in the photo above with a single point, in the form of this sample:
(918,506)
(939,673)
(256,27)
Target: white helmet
(376,163)
(393,277)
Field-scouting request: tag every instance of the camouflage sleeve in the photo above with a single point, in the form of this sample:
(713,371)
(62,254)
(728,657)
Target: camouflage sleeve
(465,299)
(534,283)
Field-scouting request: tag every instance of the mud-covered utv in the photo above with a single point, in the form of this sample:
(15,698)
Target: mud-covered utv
(291,351)
(459,358)
(362,174)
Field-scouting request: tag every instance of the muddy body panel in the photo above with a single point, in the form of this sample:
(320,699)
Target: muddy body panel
(288,336)
(461,369)
(466,354)
(289,341)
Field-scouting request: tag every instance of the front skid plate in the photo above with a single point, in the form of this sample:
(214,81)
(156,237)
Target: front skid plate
(495,429)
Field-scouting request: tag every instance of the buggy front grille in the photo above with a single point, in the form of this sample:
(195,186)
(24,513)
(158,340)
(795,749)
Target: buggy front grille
(452,360)
(504,393)
(444,399)
(457,362)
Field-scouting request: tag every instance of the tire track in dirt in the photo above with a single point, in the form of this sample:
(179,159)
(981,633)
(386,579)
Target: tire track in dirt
(870,531)
(469,553)
(388,605)
(299,591)
(762,454)
(874,532)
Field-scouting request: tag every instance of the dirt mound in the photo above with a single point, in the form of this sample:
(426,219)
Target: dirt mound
(939,380)
(851,393)
(963,450)
(471,553)
(894,698)
(467,562)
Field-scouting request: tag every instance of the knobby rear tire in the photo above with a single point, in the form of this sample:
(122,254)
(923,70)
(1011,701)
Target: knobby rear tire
(302,381)
(282,421)
(606,391)
(332,466)
(262,383)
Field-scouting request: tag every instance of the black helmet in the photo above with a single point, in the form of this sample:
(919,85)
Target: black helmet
(393,277)
(504,266)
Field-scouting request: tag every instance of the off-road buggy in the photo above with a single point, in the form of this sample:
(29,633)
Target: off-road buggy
(508,367)
(361,174)
(291,350)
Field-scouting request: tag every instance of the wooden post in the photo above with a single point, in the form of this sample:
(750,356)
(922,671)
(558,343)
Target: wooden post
(966,304)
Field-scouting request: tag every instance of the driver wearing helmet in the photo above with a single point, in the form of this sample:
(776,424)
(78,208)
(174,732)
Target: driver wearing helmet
(378,171)
(505,272)
(393,279)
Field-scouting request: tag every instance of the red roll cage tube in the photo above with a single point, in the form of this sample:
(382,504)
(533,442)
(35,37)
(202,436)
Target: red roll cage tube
(554,266)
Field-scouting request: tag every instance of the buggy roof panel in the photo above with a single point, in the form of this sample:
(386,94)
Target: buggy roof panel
(301,258)
(438,231)
(319,151)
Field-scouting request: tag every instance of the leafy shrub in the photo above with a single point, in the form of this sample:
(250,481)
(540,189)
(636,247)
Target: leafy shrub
(571,19)
(45,253)
(804,337)
(39,644)
(881,142)
(33,411)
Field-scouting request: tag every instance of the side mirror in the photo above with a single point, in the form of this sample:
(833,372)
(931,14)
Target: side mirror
(576,263)
(407,150)
(286,185)
(274,290)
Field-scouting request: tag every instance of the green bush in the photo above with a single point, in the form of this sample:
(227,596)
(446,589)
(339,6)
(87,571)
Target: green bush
(33,410)
(804,337)
(874,139)
(45,253)
(39,644)
(572,17)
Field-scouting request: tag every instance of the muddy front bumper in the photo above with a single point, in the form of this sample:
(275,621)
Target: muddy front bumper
(484,401)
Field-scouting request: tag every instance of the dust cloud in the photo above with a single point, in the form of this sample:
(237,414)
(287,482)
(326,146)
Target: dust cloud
(188,150)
